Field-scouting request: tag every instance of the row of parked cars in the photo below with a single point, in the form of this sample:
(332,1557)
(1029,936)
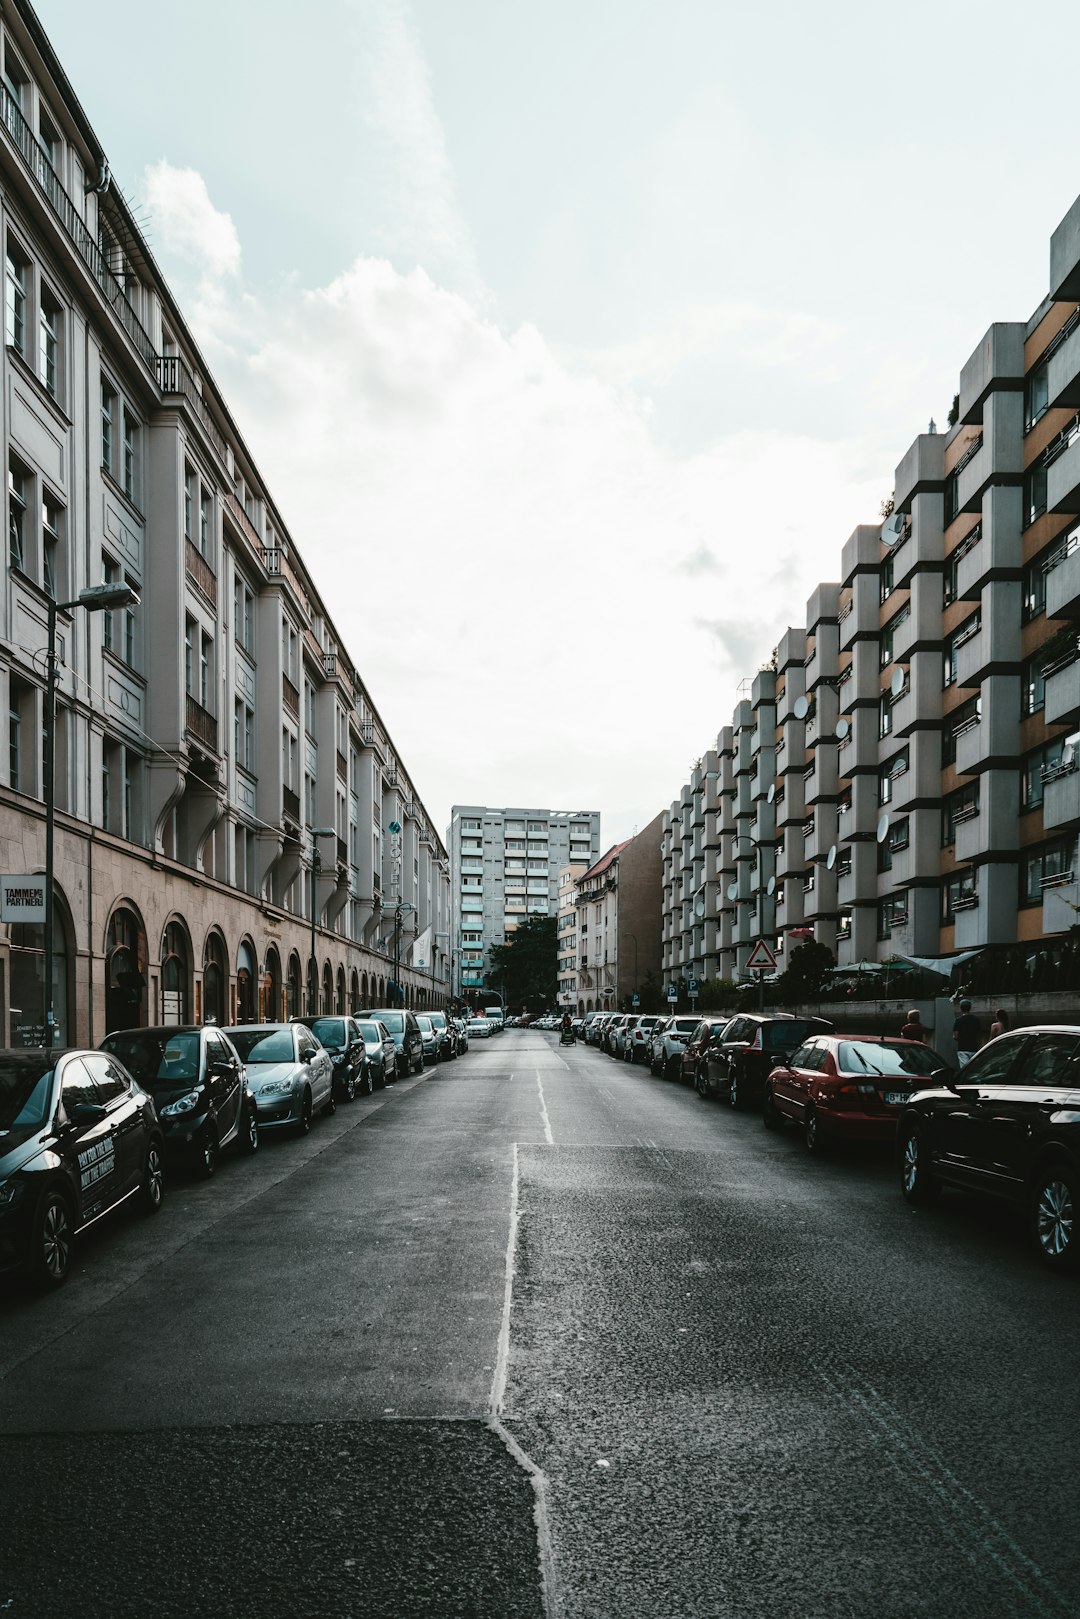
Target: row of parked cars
(84,1131)
(1006,1125)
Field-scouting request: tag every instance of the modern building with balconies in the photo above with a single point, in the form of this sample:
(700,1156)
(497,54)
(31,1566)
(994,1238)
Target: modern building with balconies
(224,791)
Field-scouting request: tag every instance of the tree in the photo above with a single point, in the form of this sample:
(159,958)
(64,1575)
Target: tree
(805,974)
(525,968)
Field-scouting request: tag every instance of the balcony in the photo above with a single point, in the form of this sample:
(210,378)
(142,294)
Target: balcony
(1061,796)
(200,572)
(176,379)
(290,806)
(1063,586)
(1062,689)
(1061,902)
(999,357)
(1063,368)
(290,697)
(1063,469)
(201,725)
(923,467)
(971,473)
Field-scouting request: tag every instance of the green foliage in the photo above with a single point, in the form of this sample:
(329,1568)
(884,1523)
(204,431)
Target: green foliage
(805,974)
(525,969)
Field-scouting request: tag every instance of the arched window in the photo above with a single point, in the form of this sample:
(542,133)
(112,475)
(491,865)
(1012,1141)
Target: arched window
(247,1010)
(295,987)
(125,971)
(339,1004)
(271,1006)
(27,997)
(214,981)
(327,990)
(364,998)
(355,1003)
(175,973)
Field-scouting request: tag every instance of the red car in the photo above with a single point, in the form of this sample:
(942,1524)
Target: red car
(848,1087)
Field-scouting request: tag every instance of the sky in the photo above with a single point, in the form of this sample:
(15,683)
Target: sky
(573,339)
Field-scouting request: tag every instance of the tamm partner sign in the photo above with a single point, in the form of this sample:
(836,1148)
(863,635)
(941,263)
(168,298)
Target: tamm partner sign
(22,899)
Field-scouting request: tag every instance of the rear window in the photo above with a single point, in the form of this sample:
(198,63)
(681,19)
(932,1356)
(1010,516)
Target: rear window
(785,1036)
(394,1021)
(330,1030)
(368,1031)
(156,1057)
(867,1057)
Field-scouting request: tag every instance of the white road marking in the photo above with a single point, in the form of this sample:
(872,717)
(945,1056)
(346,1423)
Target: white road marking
(548,1137)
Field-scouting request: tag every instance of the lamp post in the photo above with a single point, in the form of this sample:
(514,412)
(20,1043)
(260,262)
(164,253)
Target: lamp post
(317,832)
(744,837)
(402,905)
(94,599)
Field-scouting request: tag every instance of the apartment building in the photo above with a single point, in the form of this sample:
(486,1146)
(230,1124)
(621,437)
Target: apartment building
(619,922)
(225,792)
(567,963)
(504,866)
(902,777)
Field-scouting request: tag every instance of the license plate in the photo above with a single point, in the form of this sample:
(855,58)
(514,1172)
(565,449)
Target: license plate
(895,1098)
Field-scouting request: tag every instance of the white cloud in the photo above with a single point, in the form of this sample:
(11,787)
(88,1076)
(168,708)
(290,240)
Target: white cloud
(546,604)
(192,229)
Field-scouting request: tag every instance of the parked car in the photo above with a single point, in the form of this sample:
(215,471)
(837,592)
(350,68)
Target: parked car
(693,1052)
(666,1044)
(478,1028)
(1007,1126)
(380,1050)
(342,1039)
(290,1072)
(200,1089)
(737,1062)
(597,1029)
(430,1037)
(636,1038)
(462,1033)
(846,1087)
(78,1137)
(444,1028)
(616,1033)
(406,1032)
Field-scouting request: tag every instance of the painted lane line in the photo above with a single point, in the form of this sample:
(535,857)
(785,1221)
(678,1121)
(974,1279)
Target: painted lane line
(548,1137)
(496,1399)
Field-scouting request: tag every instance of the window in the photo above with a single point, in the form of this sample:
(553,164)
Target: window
(1035,767)
(22,717)
(887,576)
(118,623)
(962,719)
(1036,395)
(892,913)
(16,287)
(190,633)
(189,501)
(204,523)
(108,427)
(129,472)
(1033,686)
(1047,867)
(959,893)
(205,649)
(16,515)
(243,613)
(1034,493)
(885,715)
(963,805)
(49,346)
(244,734)
(969,628)
(50,544)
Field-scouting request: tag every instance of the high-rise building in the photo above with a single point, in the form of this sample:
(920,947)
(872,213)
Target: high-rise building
(504,866)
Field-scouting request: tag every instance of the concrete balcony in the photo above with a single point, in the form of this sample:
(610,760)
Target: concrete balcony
(990,916)
(1063,368)
(921,543)
(920,701)
(791,854)
(862,613)
(856,876)
(1065,257)
(923,468)
(1063,695)
(998,358)
(1063,471)
(995,827)
(789,803)
(863,685)
(790,910)
(997,735)
(1061,798)
(1063,587)
(1061,904)
(824,835)
(997,643)
(820,782)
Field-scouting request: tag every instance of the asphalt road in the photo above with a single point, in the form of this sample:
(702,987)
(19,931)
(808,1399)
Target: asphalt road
(538,1335)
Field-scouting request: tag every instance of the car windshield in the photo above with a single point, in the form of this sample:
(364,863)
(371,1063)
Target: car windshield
(787,1035)
(157,1057)
(330,1030)
(24,1092)
(264,1045)
(369,1033)
(867,1057)
(424,1022)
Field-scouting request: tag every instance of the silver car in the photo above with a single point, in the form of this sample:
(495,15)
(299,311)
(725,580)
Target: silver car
(381,1050)
(289,1071)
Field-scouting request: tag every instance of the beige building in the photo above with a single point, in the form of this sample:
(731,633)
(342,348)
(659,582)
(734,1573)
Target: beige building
(568,934)
(222,777)
(618,923)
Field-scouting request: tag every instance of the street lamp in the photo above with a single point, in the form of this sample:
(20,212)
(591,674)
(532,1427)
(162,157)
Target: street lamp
(744,837)
(94,599)
(402,905)
(317,832)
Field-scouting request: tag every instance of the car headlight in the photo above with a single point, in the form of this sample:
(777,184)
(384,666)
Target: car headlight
(276,1087)
(183,1104)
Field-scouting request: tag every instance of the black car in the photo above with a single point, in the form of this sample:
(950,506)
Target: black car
(344,1042)
(78,1137)
(405,1032)
(1007,1125)
(446,1033)
(199,1086)
(740,1057)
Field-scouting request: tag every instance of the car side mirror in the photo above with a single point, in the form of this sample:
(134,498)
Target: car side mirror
(87,1113)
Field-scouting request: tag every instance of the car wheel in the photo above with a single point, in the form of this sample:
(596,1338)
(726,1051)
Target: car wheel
(771,1117)
(418,1066)
(247,1139)
(206,1162)
(350,1088)
(367,1079)
(303,1124)
(701,1080)
(917,1181)
(812,1134)
(330,1105)
(733,1090)
(153,1181)
(48,1257)
(1053,1216)
(670,1067)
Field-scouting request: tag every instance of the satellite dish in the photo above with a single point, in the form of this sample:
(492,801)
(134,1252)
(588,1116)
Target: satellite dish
(801,707)
(772,792)
(732,890)
(892,528)
(896,684)
(699,905)
(882,827)
(842,729)
(770,886)
(830,858)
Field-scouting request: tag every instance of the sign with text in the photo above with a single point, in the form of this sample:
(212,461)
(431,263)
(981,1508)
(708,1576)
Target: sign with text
(22,899)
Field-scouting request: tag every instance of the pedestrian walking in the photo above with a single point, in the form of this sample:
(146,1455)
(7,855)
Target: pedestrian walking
(914,1028)
(1000,1024)
(965,1033)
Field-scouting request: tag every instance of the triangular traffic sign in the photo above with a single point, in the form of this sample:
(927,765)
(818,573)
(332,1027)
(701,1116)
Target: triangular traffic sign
(762,958)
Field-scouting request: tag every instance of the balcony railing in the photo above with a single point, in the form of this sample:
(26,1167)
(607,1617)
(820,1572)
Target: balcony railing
(200,571)
(290,805)
(969,454)
(201,724)
(37,161)
(290,697)
(174,377)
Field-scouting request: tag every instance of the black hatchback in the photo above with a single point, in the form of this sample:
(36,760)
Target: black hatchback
(78,1137)
(740,1057)
(342,1038)
(199,1086)
(1007,1125)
